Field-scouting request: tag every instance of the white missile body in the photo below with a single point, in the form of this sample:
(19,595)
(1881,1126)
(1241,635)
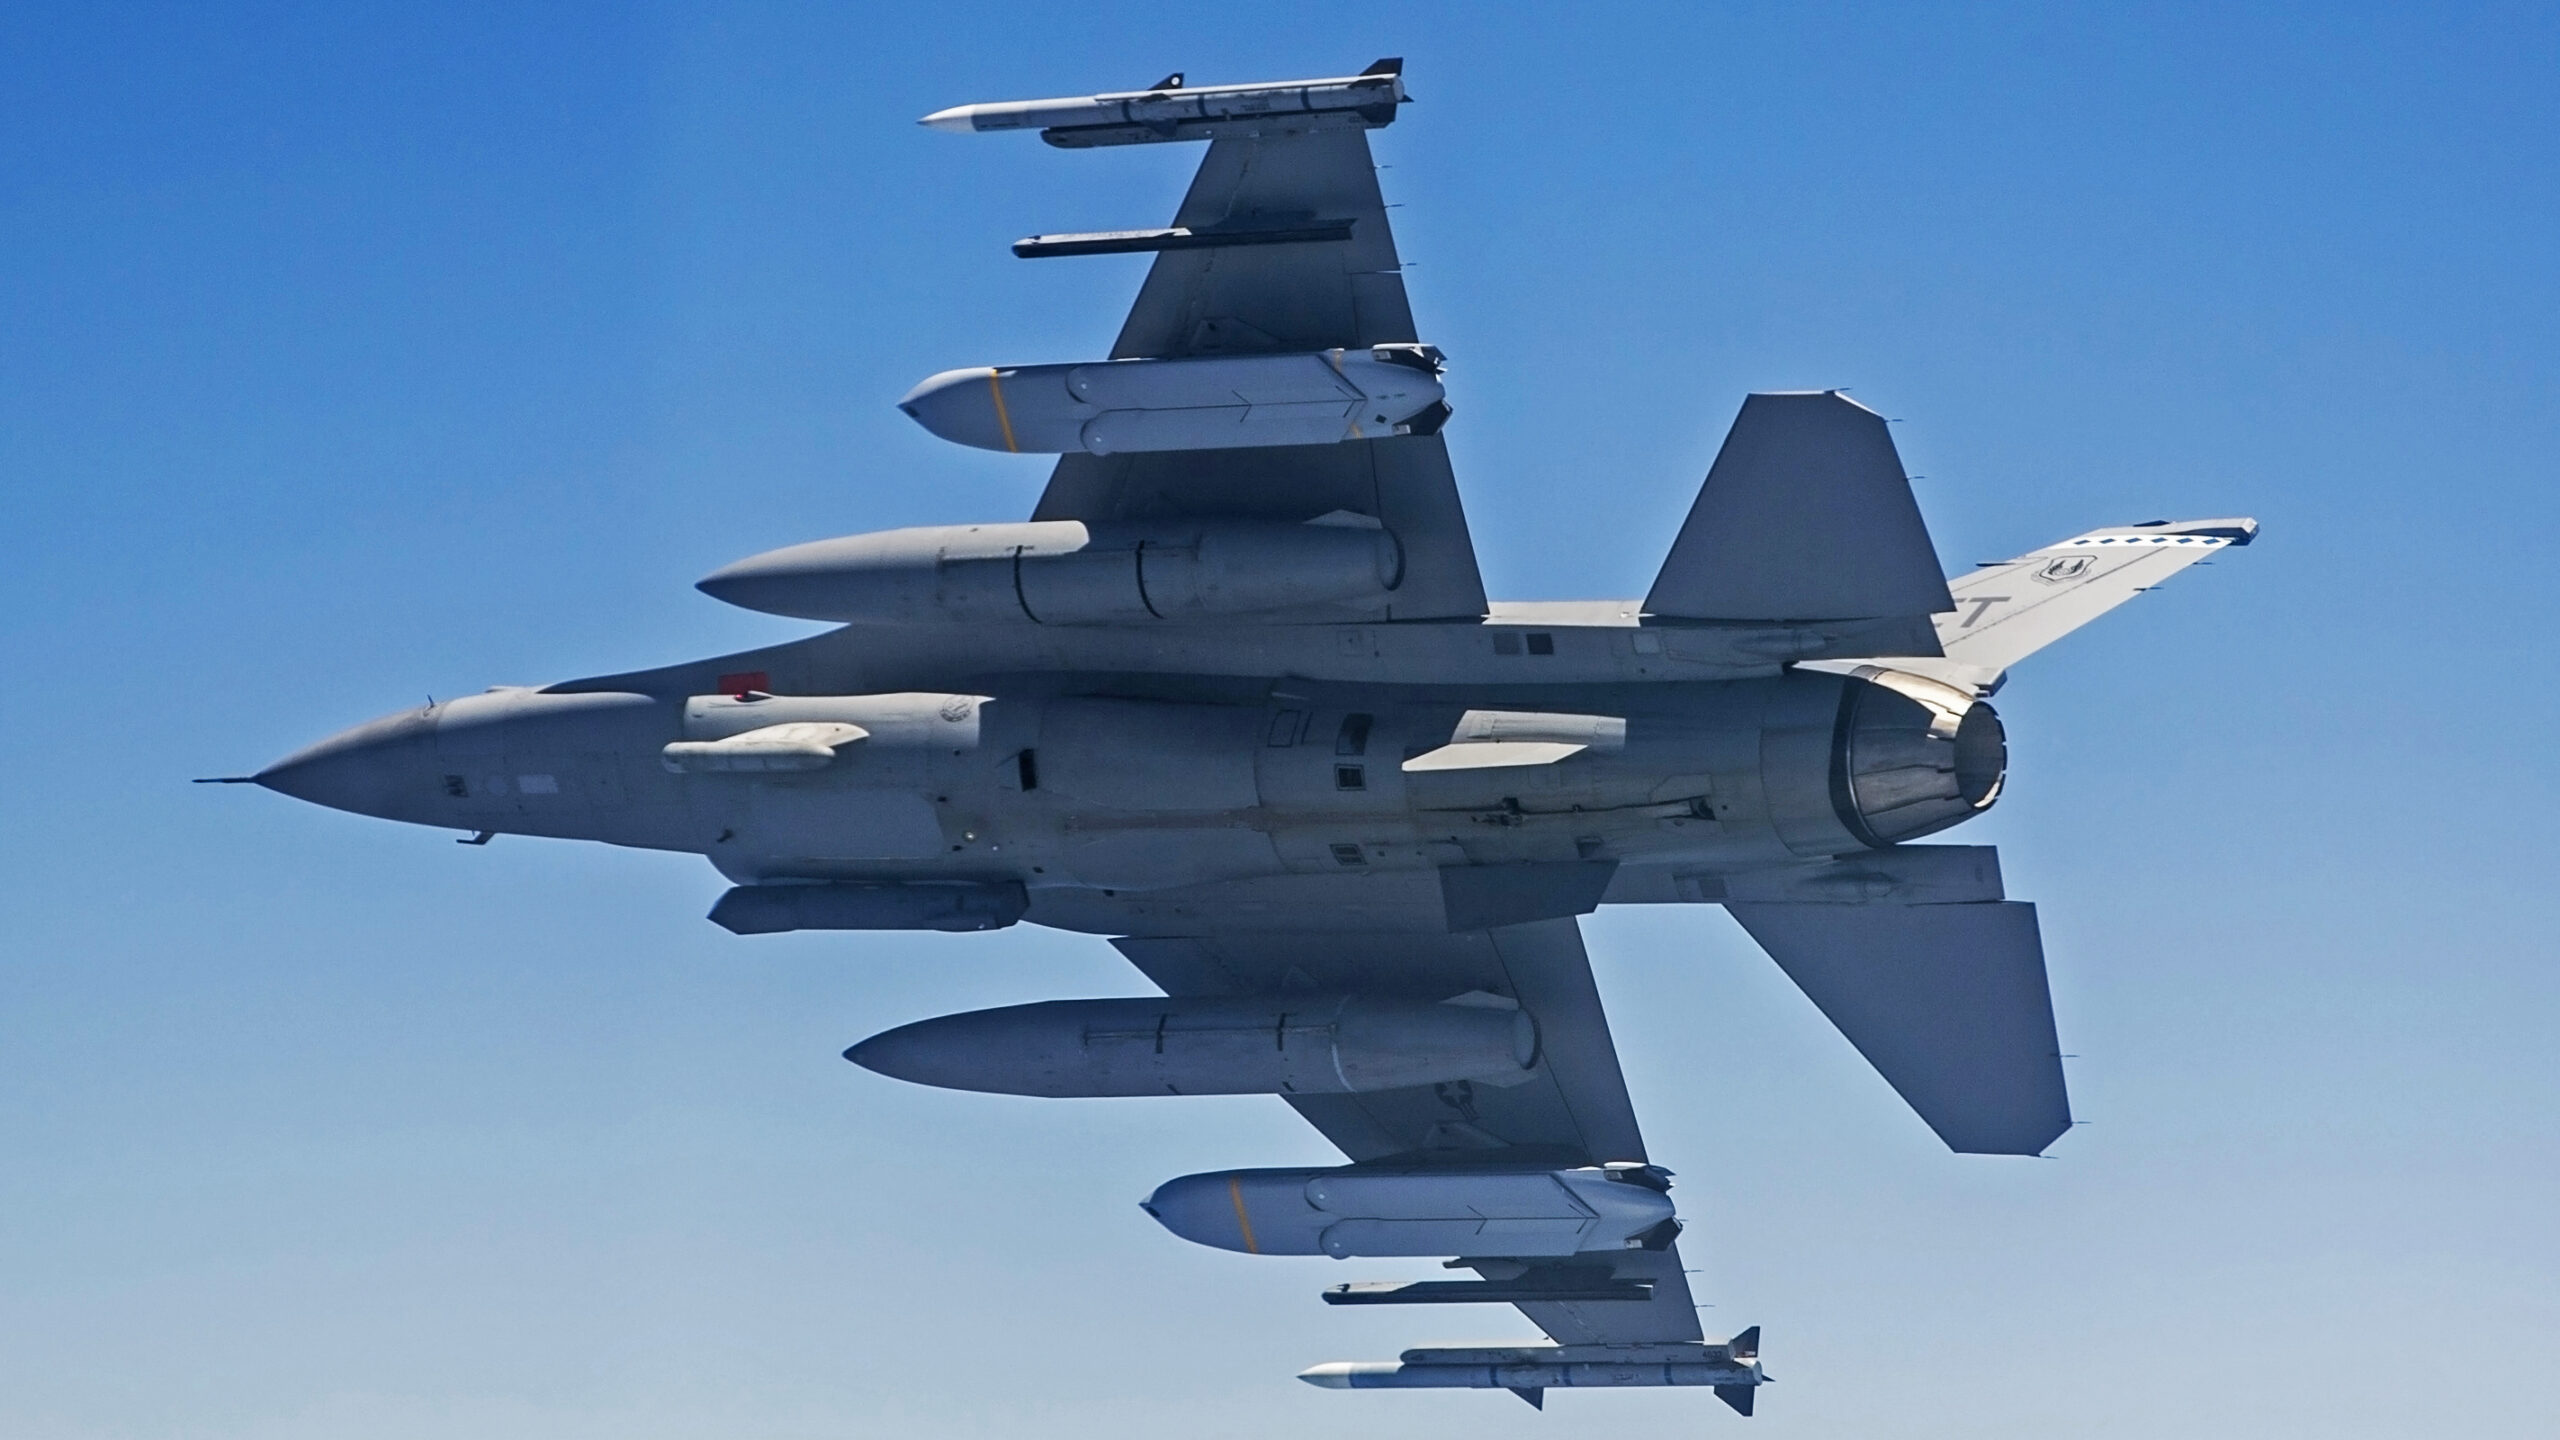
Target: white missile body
(1360,1211)
(1175,105)
(1120,407)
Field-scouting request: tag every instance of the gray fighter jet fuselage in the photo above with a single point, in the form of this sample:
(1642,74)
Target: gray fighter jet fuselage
(984,761)
(1234,697)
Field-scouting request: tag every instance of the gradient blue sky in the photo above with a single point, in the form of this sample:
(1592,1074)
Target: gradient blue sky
(352,354)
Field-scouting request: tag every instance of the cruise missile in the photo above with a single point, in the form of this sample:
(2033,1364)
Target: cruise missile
(1380,1210)
(1369,98)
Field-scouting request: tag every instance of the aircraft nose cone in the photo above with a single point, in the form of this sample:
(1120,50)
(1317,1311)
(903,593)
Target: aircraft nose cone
(362,770)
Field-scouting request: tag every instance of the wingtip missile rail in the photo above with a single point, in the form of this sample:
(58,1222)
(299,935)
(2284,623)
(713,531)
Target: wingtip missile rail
(1172,111)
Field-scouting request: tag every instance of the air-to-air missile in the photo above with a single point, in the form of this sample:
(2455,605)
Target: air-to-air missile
(1165,110)
(1731,1369)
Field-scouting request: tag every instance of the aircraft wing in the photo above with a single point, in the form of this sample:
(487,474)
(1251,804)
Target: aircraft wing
(1284,298)
(1572,1111)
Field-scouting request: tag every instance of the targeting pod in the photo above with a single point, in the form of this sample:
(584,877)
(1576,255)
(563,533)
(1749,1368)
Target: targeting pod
(926,905)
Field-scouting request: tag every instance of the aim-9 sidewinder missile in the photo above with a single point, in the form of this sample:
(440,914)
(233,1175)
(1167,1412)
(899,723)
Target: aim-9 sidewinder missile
(1367,99)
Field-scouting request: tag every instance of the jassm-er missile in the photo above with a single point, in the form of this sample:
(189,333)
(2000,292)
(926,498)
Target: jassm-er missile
(1379,1210)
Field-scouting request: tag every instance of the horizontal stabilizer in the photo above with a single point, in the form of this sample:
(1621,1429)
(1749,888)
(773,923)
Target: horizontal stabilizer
(1806,515)
(2007,612)
(1948,1002)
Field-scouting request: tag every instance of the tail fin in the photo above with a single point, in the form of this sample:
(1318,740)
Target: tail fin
(1804,516)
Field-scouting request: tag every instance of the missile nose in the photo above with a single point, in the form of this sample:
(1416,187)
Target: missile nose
(968,406)
(958,120)
(360,769)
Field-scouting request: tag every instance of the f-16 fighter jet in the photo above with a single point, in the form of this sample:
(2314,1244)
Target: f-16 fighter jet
(1234,697)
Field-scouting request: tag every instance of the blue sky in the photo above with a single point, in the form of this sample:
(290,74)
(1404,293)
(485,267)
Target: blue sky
(353,354)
